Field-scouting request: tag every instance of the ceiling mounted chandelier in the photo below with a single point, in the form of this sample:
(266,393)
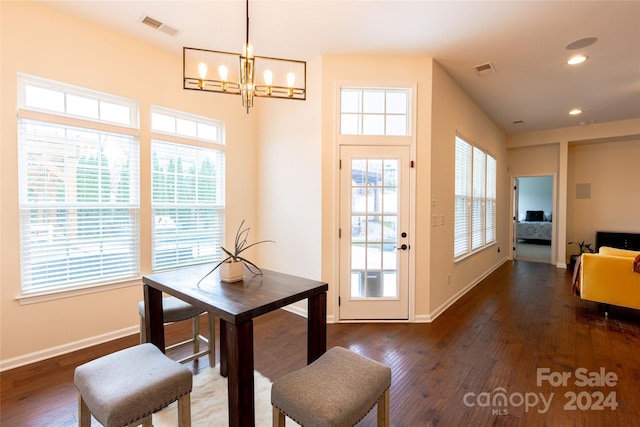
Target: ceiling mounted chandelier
(279,78)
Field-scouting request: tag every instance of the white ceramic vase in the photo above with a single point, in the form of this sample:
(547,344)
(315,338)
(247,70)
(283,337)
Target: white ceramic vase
(232,271)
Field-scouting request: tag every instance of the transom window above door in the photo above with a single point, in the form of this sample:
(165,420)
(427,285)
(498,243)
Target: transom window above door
(374,111)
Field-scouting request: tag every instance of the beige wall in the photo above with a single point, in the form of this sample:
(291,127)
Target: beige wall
(603,155)
(378,71)
(454,111)
(45,43)
(612,169)
(442,108)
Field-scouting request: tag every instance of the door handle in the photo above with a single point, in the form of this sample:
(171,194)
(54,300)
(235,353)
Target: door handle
(402,247)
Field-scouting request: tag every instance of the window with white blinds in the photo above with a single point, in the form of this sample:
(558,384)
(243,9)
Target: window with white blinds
(462,212)
(78,187)
(188,180)
(475,199)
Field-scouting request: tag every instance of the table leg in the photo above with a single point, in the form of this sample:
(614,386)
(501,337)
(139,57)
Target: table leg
(154,321)
(240,359)
(224,363)
(316,327)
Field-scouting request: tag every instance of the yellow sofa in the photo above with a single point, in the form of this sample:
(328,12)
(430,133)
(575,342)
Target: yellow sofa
(608,277)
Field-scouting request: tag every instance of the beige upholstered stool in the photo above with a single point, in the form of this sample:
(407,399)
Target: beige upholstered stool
(338,390)
(176,310)
(130,385)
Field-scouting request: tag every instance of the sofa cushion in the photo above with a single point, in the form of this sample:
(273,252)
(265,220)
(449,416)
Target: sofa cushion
(606,250)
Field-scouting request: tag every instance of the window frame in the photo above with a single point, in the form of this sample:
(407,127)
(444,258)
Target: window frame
(101,133)
(360,114)
(192,144)
(475,186)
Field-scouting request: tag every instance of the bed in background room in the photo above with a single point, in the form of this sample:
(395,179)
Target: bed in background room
(535,227)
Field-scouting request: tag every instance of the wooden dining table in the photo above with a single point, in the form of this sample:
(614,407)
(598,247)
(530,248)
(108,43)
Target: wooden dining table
(237,304)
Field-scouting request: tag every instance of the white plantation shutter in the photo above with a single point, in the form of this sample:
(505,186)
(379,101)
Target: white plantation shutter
(477,216)
(490,236)
(79,206)
(462,198)
(187,191)
(475,199)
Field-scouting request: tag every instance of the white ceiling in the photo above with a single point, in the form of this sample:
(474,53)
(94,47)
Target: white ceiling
(524,40)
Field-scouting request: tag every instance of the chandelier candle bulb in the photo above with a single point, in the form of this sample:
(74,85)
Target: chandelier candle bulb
(268,80)
(202,72)
(223,72)
(291,81)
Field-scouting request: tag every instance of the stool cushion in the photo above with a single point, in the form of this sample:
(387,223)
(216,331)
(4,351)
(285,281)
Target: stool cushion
(338,389)
(130,384)
(174,310)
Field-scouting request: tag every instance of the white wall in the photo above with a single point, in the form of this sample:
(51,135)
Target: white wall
(535,193)
(289,187)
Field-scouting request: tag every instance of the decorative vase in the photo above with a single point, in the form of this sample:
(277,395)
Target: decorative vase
(232,271)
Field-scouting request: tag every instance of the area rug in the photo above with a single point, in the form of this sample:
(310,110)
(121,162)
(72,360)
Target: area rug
(209,402)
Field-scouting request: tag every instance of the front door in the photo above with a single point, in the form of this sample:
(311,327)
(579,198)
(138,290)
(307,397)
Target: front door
(374,232)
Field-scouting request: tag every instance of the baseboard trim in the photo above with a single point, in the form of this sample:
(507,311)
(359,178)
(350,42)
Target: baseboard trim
(434,315)
(60,350)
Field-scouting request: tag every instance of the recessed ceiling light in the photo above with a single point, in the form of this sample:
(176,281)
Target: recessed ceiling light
(575,112)
(578,59)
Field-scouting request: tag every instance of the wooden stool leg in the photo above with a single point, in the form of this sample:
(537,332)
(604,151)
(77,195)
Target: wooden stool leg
(84,414)
(146,422)
(184,411)
(279,420)
(195,333)
(383,409)
(212,340)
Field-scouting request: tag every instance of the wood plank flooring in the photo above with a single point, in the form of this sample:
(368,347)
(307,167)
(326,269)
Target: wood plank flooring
(455,371)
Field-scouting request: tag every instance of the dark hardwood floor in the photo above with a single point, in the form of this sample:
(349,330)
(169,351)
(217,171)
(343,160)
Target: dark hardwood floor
(455,371)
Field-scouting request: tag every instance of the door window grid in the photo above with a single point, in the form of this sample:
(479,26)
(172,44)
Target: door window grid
(374,228)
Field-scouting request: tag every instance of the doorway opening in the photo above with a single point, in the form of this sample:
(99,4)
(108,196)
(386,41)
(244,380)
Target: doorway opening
(533,218)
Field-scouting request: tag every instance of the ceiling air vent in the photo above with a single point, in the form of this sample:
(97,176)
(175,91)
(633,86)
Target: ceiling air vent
(484,69)
(157,25)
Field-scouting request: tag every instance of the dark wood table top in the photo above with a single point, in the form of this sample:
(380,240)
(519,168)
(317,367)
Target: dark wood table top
(239,301)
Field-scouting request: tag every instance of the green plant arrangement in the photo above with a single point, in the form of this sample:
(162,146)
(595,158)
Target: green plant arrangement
(584,247)
(234,255)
